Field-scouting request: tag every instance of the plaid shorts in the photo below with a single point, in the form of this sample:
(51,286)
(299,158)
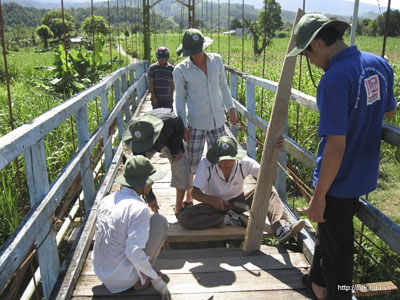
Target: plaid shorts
(196,144)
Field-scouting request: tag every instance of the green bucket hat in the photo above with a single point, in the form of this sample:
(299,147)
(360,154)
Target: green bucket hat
(309,26)
(193,42)
(225,149)
(141,133)
(139,172)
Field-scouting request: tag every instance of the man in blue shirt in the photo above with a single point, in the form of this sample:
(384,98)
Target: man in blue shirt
(354,96)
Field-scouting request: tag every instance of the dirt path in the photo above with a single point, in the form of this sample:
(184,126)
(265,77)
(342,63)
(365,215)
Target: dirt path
(133,60)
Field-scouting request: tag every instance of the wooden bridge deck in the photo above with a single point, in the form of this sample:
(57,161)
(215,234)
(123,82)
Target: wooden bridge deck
(215,272)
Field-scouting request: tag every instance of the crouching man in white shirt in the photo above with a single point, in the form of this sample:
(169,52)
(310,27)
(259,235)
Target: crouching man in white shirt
(218,184)
(128,240)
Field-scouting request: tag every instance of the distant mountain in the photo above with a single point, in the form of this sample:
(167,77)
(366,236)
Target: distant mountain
(337,7)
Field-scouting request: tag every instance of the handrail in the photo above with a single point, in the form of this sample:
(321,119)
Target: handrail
(385,228)
(28,139)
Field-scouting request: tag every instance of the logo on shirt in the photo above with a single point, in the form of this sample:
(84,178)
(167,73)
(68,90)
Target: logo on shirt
(225,146)
(138,134)
(195,37)
(235,183)
(372,89)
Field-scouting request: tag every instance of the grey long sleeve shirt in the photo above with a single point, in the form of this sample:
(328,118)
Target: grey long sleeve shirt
(204,96)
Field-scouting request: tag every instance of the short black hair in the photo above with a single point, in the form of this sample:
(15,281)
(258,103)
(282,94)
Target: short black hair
(328,35)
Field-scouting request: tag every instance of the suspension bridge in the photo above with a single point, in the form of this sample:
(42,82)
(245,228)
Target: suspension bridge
(203,264)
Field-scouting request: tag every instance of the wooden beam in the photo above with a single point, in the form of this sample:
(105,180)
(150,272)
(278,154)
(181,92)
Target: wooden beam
(268,167)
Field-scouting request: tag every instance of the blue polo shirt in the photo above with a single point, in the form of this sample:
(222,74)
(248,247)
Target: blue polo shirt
(352,97)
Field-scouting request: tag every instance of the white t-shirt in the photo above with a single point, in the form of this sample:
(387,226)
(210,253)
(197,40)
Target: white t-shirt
(122,231)
(210,180)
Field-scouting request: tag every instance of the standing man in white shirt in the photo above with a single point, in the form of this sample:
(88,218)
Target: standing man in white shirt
(201,94)
(128,240)
(218,184)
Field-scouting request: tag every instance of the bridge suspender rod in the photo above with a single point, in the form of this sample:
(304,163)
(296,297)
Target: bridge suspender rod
(109,34)
(296,137)
(268,166)
(229,28)
(94,62)
(386,29)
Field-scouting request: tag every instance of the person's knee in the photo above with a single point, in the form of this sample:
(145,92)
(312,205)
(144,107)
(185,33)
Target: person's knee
(160,222)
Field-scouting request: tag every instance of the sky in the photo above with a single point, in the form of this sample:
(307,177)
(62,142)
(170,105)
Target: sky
(394,4)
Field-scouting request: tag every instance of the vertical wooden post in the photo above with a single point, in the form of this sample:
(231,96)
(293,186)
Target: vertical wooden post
(120,121)
(106,143)
(251,108)
(233,80)
(280,181)
(140,69)
(133,96)
(126,106)
(82,127)
(267,172)
(38,184)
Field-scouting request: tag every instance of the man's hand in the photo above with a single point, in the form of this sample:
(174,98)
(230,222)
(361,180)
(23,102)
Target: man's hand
(162,288)
(233,117)
(316,209)
(139,286)
(177,156)
(186,135)
(154,206)
(154,100)
(221,204)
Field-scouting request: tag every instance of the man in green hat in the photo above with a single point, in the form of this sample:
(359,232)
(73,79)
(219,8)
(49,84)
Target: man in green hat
(128,240)
(201,94)
(161,130)
(354,96)
(218,184)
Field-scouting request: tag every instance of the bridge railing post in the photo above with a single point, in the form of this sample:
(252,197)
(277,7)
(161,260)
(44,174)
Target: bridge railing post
(233,82)
(132,80)
(106,143)
(251,108)
(38,185)
(140,69)
(82,127)
(126,106)
(120,121)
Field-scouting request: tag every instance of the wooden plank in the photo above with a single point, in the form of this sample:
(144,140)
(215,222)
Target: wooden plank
(176,233)
(199,282)
(267,171)
(237,263)
(247,295)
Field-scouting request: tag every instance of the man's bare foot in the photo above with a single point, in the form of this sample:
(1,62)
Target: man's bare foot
(139,286)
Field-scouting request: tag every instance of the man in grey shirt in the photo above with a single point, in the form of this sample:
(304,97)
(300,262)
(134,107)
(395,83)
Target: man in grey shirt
(202,93)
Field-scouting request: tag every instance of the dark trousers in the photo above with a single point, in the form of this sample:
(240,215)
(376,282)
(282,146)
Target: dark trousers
(203,215)
(332,266)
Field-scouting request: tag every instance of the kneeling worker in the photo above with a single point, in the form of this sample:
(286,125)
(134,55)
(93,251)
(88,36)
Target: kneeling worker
(161,130)
(218,184)
(128,240)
